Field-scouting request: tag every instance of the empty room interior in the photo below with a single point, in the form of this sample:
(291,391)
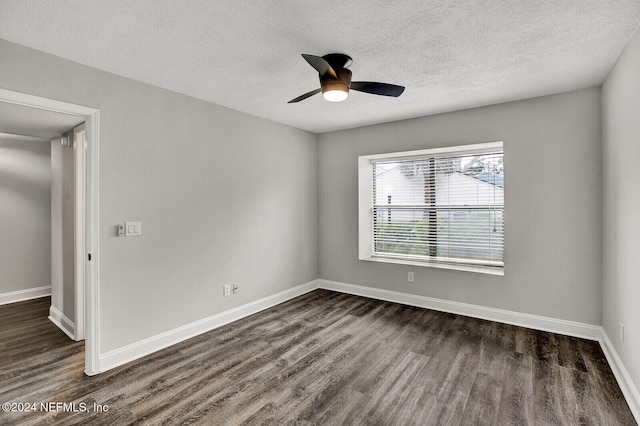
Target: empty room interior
(419,212)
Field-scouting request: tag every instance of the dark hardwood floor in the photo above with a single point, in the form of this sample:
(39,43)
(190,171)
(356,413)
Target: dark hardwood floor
(324,358)
(25,331)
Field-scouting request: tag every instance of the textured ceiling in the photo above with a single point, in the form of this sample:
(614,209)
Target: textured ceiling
(450,54)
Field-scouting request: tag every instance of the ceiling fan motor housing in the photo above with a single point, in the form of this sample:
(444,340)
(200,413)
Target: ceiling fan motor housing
(342,83)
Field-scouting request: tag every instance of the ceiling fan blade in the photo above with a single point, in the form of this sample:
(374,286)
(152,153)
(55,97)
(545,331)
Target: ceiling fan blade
(377,88)
(305,96)
(320,65)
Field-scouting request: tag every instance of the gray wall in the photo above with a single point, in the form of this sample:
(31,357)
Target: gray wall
(621,154)
(25,215)
(63,228)
(223,197)
(552,205)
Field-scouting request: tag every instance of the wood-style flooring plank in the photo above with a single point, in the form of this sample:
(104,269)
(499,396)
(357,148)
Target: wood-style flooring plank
(483,402)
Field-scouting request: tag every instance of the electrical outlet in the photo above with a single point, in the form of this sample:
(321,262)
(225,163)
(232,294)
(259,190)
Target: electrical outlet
(622,332)
(410,277)
(226,290)
(235,288)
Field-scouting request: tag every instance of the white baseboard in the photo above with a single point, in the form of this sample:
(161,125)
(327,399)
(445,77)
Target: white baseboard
(20,295)
(570,328)
(629,389)
(144,347)
(63,322)
(139,349)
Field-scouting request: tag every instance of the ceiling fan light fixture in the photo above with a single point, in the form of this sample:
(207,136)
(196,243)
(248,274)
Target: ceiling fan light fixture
(335,92)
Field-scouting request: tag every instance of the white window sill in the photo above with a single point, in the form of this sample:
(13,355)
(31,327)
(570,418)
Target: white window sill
(489,270)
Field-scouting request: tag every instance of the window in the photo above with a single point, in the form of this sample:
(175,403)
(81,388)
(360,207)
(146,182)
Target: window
(440,207)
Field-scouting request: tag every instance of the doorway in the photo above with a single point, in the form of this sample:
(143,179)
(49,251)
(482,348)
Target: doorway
(86,229)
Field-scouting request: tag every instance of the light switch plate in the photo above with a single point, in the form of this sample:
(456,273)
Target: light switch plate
(132,229)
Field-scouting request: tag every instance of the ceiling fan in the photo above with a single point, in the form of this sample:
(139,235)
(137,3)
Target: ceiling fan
(335,79)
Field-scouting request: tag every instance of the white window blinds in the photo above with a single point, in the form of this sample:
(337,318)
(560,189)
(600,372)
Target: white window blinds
(446,207)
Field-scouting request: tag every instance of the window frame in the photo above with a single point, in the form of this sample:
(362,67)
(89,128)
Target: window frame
(366,204)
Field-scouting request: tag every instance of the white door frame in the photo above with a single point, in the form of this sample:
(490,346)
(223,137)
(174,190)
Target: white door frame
(89,227)
(80,252)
